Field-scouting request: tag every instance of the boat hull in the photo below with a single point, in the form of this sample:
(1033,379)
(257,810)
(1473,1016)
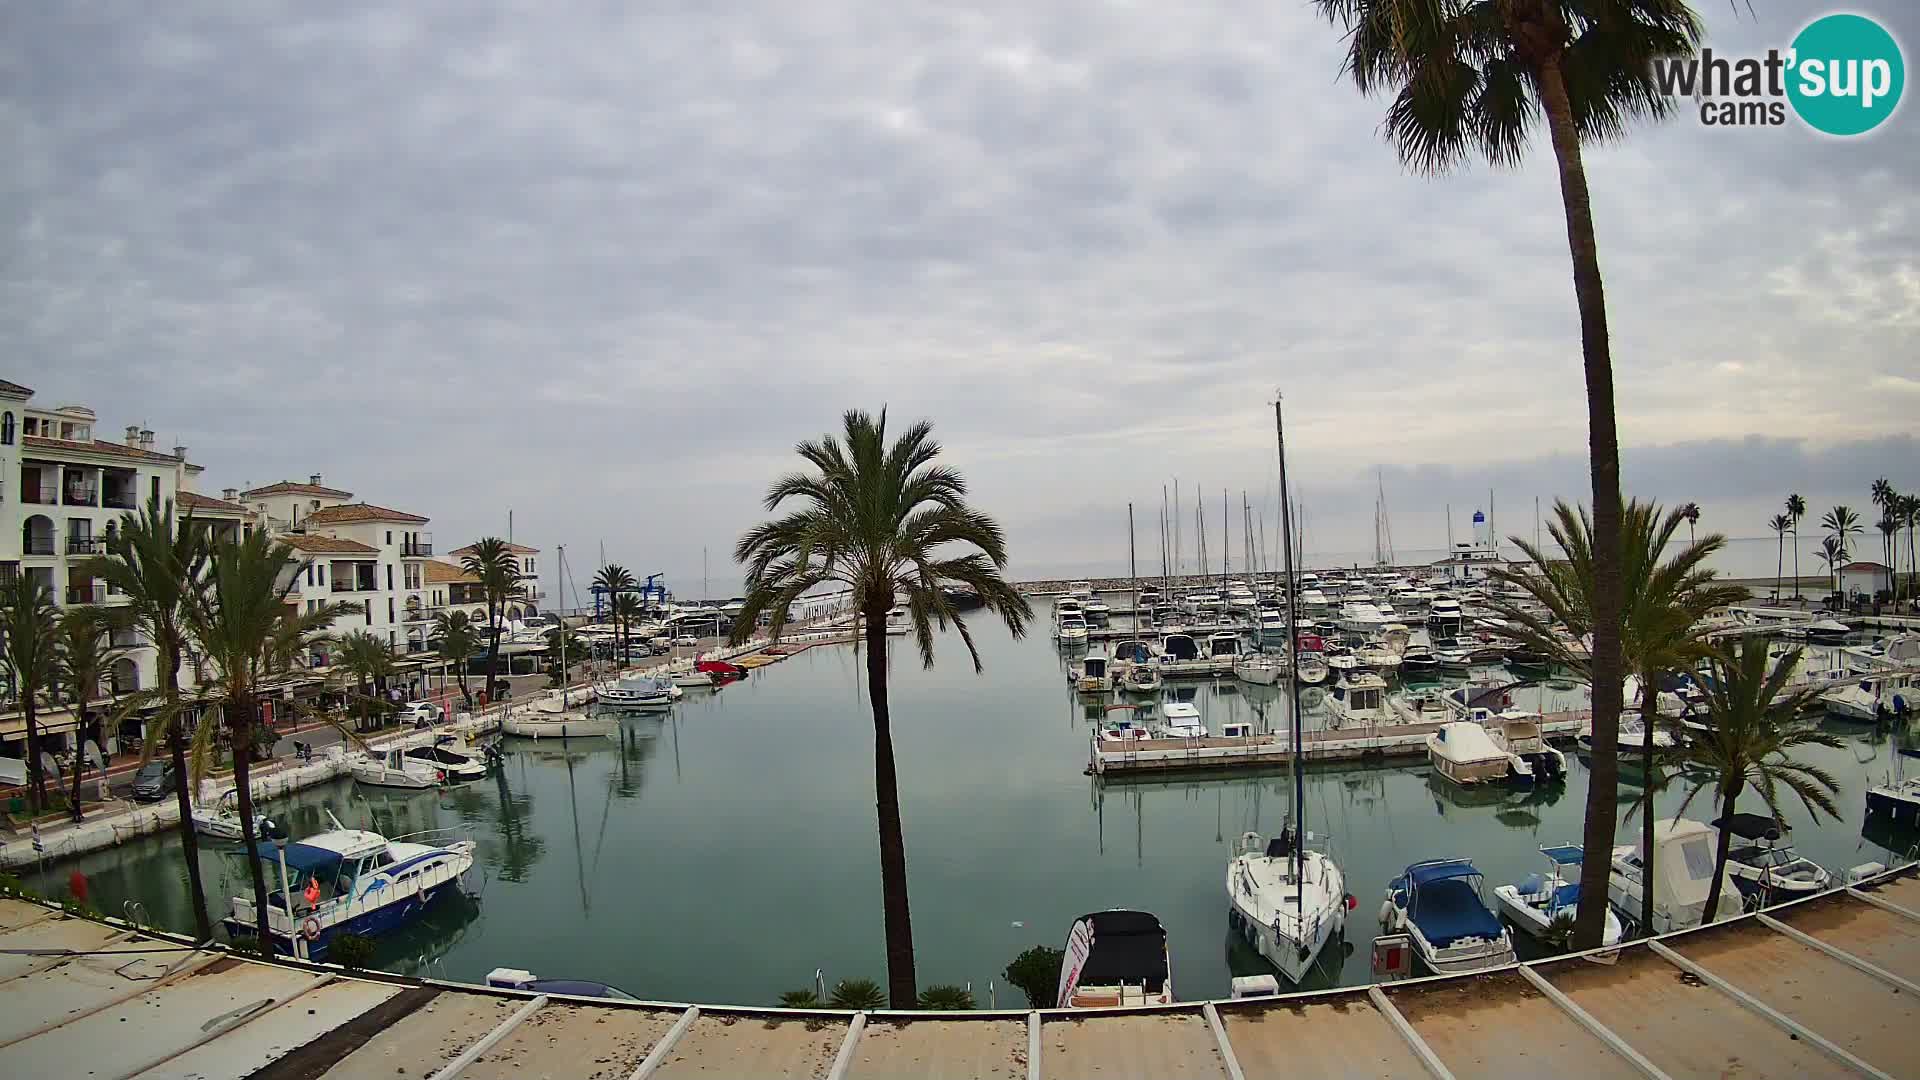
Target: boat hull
(580,727)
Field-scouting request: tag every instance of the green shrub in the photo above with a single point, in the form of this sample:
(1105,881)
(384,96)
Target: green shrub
(1037,973)
(351,951)
(800,999)
(947,998)
(857,994)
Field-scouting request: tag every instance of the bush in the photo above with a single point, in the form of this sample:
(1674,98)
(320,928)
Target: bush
(1037,973)
(350,951)
(946,998)
(800,999)
(857,994)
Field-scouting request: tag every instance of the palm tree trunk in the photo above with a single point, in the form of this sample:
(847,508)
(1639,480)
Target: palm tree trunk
(1779,563)
(1604,451)
(493,647)
(182,792)
(1728,796)
(240,725)
(902,991)
(79,758)
(1649,708)
(36,777)
(1796,561)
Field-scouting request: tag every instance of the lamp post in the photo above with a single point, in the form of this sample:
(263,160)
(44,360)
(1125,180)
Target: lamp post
(278,835)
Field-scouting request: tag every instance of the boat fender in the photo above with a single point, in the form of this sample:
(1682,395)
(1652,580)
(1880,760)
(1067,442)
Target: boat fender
(1386,914)
(1506,700)
(310,928)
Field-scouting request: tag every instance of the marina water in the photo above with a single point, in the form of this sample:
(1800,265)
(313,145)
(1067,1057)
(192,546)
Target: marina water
(725,852)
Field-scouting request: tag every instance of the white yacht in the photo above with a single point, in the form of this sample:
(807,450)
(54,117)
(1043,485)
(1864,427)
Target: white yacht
(636,691)
(1419,707)
(1683,865)
(1463,752)
(1530,759)
(1080,590)
(1223,646)
(1093,676)
(1444,617)
(1096,609)
(1115,959)
(1537,901)
(1285,916)
(1071,629)
(221,821)
(1141,678)
(1180,720)
(1359,700)
(1437,904)
(360,882)
(394,769)
(1360,615)
(1260,669)
(459,766)
(1864,699)
(1270,627)
(1765,865)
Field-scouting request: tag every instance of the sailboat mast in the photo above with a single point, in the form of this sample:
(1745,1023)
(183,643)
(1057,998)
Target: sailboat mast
(1176,527)
(563,627)
(1226,541)
(1133,563)
(1293,667)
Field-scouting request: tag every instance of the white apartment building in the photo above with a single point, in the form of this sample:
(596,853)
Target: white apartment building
(371,557)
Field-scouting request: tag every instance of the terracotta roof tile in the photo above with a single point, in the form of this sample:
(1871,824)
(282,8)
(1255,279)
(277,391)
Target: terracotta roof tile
(351,512)
(327,545)
(288,487)
(517,549)
(197,501)
(439,573)
(14,388)
(112,449)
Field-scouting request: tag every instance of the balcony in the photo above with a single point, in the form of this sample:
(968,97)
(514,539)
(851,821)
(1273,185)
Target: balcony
(120,500)
(347,585)
(85,545)
(95,593)
(82,496)
(40,497)
(37,545)
(416,549)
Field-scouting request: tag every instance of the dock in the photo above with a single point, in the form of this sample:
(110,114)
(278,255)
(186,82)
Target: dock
(1136,756)
(1826,986)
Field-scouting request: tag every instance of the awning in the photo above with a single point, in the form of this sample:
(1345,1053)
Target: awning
(1564,854)
(1441,870)
(1750,826)
(304,859)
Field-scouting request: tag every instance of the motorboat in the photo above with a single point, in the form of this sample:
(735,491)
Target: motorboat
(1179,647)
(1359,700)
(1141,678)
(1632,738)
(521,979)
(1418,662)
(1419,707)
(637,691)
(1445,617)
(1522,736)
(1437,904)
(221,821)
(1071,629)
(1270,627)
(460,767)
(1067,605)
(568,725)
(1223,646)
(1180,720)
(1682,867)
(1898,799)
(1260,669)
(350,881)
(1765,865)
(1873,698)
(1463,752)
(1527,660)
(556,702)
(1286,912)
(1537,902)
(1080,590)
(1094,675)
(394,769)
(1359,615)
(1114,959)
(1096,609)
(1818,632)
(1125,729)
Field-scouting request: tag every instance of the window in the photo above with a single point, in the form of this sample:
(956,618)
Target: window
(155,489)
(389,537)
(6,429)
(389,609)
(309,573)
(323,572)
(389,575)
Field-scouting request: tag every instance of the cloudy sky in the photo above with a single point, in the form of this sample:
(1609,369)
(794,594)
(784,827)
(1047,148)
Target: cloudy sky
(604,264)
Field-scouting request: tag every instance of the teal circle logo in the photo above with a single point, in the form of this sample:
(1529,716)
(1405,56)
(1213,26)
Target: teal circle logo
(1847,74)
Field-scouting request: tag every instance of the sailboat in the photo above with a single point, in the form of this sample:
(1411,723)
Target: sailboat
(1287,898)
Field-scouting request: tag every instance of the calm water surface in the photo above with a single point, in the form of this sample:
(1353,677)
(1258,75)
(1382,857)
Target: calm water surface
(726,852)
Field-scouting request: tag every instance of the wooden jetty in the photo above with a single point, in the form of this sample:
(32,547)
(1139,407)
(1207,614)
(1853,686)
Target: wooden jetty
(1826,986)
(1118,757)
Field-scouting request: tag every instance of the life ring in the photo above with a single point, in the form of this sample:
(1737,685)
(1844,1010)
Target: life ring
(310,928)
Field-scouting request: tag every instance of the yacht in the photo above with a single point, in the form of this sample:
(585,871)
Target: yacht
(1865,699)
(1633,736)
(1178,647)
(1420,707)
(1359,700)
(1116,958)
(1536,902)
(1530,759)
(1444,617)
(1096,609)
(394,769)
(1818,632)
(1270,627)
(1287,917)
(460,767)
(576,724)
(637,691)
(1068,605)
(1260,669)
(1314,603)
(1418,662)
(1463,752)
(221,821)
(1071,629)
(1437,904)
(1093,676)
(1223,646)
(1358,615)
(1140,678)
(1080,590)
(360,882)
(1180,720)
(1683,865)
(1764,864)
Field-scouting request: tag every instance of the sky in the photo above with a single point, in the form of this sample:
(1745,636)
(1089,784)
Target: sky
(604,264)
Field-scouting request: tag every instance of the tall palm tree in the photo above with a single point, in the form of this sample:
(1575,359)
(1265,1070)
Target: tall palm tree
(628,609)
(1661,627)
(1472,78)
(1910,514)
(1835,556)
(614,581)
(1889,527)
(1841,524)
(368,660)
(458,642)
(1691,512)
(1888,500)
(1796,509)
(83,633)
(158,564)
(883,520)
(1779,523)
(32,661)
(497,569)
(1753,724)
(251,630)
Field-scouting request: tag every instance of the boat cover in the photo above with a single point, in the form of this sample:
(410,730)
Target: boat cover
(1749,826)
(1128,946)
(305,860)
(1564,854)
(1449,909)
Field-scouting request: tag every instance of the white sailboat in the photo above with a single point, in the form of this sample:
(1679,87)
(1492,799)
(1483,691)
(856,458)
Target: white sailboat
(1286,896)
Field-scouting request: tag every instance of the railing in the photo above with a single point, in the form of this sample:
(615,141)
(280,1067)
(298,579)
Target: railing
(84,545)
(416,548)
(120,501)
(42,497)
(82,497)
(95,593)
(37,545)
(354,586)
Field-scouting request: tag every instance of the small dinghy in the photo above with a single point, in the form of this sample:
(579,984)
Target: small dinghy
(1537,901)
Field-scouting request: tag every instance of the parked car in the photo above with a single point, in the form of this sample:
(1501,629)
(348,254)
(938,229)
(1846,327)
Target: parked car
(154,781)
(686,641)
(421,713)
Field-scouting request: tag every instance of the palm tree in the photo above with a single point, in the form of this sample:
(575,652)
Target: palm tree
(1753,724)
(1691,512)
(1841,523)
(1661,627)
(158,564)
(885,521)
(1834,556)
(27,620)
(1796,509)
(627,609)
(614,581)
(368,660)
(83,633)
(250,630)
(458,643)
(1889,527)
(1910,514)
(495,566)
(1471,78)
(1779,523)
(1888,500)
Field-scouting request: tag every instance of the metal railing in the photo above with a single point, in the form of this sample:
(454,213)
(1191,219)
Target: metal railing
(43,497)
(84,545)
(416,548)
(95,593)
(37,545)
(120,501)
(82,497)
(354,586)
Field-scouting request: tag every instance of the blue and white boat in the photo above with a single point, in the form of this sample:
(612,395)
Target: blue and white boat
(1437,903)
(636,691)
(1535,901)
(351,881)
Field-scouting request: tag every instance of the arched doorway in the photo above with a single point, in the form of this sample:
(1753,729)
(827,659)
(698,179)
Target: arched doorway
(36,535)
